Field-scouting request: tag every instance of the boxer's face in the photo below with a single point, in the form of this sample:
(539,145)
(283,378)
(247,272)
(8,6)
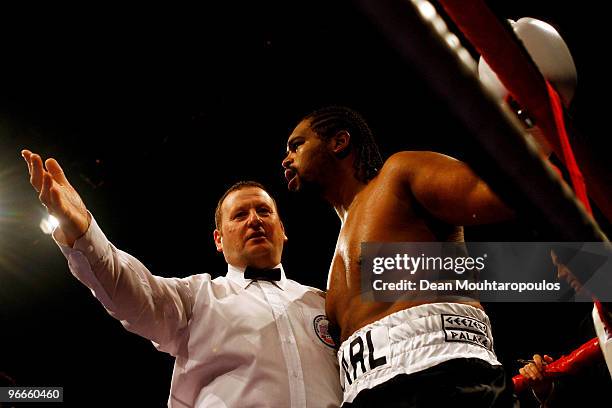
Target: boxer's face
(251,232)
(308,159)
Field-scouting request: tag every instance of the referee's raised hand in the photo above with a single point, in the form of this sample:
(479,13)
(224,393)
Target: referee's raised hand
(58,196)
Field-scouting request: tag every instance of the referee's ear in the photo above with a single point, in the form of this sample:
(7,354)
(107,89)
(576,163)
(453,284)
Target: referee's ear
(219,240)
(285,238)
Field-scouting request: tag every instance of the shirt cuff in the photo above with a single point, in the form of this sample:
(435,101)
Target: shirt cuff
(93,244)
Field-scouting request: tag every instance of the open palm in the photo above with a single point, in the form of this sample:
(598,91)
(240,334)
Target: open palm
(58,196)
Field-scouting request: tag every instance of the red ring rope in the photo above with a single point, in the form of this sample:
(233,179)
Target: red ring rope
(515,69)
(569,364)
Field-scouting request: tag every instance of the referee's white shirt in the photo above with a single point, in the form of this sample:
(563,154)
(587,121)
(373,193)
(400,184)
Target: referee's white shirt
(237,342)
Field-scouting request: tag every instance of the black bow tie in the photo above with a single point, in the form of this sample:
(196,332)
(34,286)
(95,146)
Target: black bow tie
(262,274)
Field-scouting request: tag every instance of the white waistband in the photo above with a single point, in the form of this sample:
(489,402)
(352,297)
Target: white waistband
(413,340)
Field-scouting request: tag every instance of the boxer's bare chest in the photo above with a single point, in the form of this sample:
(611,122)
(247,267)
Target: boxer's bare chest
(381,212)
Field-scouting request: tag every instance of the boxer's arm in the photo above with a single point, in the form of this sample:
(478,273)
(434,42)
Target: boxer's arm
(448,189)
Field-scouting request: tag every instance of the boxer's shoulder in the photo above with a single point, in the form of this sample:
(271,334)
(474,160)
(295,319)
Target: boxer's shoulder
(406,163)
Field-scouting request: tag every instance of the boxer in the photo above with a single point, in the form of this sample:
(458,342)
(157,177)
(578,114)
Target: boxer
(397,353)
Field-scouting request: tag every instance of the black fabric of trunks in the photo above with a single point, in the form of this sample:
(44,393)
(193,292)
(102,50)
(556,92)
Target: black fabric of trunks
(457,383)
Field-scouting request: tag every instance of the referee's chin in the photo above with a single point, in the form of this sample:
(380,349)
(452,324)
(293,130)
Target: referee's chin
(263,260)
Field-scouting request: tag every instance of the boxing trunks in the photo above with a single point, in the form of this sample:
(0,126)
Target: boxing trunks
(443,342)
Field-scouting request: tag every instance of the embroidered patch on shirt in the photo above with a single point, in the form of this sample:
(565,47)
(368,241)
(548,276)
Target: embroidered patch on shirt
(321,327)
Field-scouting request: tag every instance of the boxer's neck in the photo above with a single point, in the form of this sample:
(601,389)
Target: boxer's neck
(343,193)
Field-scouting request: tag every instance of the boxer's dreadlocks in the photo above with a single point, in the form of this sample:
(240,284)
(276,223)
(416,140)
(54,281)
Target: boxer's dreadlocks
(328,121)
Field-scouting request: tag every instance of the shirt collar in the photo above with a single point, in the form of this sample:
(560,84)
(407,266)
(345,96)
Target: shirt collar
(236,275)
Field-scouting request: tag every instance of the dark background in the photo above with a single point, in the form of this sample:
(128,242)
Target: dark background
(154,112)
